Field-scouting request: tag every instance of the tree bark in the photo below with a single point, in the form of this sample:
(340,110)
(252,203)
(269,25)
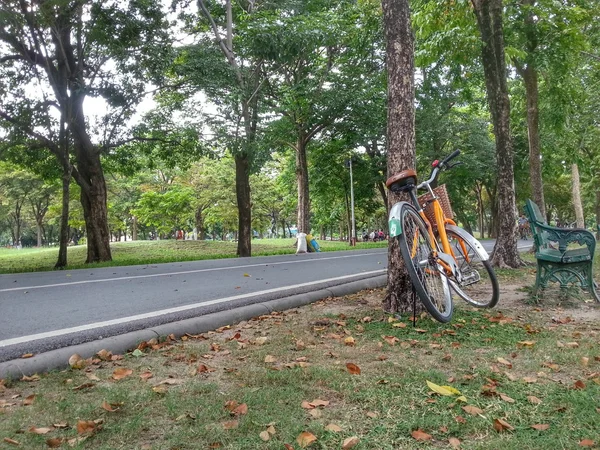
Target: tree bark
(302,181)
(489,21)
(400,134)
(200,223)
(530,79)
(533,132)
(576,191)
(597,213)
(134,228)
(63,239)
(242,190)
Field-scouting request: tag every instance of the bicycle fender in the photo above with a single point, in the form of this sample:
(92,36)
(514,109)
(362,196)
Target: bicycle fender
(483,254)
(394,224)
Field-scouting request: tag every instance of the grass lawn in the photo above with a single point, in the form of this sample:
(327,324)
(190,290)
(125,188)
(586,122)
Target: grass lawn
(530,375)
(155,252)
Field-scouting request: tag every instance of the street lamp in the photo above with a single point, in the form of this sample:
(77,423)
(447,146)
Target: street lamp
(353,235)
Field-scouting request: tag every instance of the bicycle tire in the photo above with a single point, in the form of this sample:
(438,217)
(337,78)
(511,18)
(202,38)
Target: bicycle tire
(472,266)
(430,284)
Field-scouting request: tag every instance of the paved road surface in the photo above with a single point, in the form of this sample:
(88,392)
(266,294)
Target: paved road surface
(46,310)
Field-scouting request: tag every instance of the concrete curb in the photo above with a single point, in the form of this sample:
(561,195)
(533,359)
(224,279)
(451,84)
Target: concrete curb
(58,359)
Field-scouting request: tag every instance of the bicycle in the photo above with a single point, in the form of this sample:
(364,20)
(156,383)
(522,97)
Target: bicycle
(440,257)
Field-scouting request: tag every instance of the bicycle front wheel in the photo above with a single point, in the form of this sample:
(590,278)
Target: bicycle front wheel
(479,286)
(426,274)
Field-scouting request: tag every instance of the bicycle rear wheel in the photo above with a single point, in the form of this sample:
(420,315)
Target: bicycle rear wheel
(426,274)
(480,285)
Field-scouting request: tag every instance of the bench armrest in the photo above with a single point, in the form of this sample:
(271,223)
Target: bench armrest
(565,236)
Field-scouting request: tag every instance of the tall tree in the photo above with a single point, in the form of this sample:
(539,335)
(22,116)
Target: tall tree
(400,132)
(54,55)
(244,82)
(489,21)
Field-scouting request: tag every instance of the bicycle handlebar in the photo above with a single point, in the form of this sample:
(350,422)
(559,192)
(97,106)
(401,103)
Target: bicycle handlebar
(438,168)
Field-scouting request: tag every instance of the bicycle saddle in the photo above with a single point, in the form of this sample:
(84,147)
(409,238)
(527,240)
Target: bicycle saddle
(401,179)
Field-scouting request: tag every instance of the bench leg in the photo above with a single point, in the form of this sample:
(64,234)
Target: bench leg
(592,284)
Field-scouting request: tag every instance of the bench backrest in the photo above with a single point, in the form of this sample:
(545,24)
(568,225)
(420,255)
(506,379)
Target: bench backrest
(533,213)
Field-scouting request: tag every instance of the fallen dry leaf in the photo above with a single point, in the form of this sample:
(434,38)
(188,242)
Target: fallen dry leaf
(454,442)
(83,386)
(260,340)
(146,375)
(77,362)
(270,359)
(230,425)
(264,435)
(350,442)
(92,377)
(525,343)
(104,355)
(60,425)
(585,361)
(86,427)
(349,341)
(305,438)
(506,398)
(11,441)
(529,379)
(27,355)
(473,410)
(271,430)
(203,368)
(35,377)
(540,426)
(318,402)
(108,407)
(353,368)
(121,372)
(579,385)
(420,435)
(502,425)
(54,442)
(391,339)
(29,400)
(333,427)
(586,443)
(41,430)
(399,325)
(533,399)
(372,415)
(240,410)
(505,362)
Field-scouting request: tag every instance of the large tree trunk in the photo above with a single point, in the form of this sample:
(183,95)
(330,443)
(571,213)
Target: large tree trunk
(489,20)
(242,190)
(302,181)
(63,239)
(597,213)
(533,129)
(530,79)
(576,190)
(400,134)
(200,224)
(95,211)
(38,224)
(134,228)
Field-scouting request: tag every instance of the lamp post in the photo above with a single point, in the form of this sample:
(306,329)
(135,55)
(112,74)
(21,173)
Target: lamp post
(353,235)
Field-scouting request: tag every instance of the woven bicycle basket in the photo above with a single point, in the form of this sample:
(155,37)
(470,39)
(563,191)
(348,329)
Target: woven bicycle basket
(427,205)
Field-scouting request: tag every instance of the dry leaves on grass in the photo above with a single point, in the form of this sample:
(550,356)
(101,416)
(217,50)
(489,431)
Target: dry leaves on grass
(230,425)
(350,442)
(11,441)
(505,362)
(533,399)
(121,372)
(420,435)
(87,427)
(540,426)
(586,443)
(454,442)
(305,439)
(54,442)
(333,428)
(473,410)
(502,425)
(29,400)
(110,407)
(41,430)
(353,368)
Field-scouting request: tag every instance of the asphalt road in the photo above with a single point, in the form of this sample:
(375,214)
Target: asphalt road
(47,310)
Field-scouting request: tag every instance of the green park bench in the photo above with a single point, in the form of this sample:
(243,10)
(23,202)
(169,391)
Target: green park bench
(555,260)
